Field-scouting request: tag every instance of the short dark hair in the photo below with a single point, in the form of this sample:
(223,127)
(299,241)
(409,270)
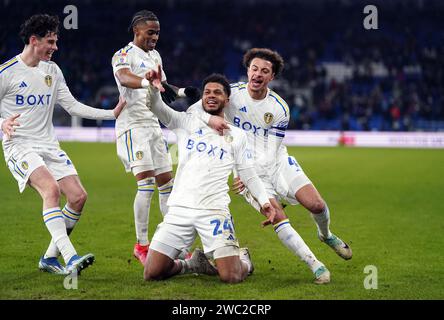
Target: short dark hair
(267,54)
(218,78)
(39,25)
(143,15)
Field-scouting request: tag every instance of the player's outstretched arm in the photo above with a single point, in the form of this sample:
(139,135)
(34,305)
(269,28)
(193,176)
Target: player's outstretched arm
(257,190)
(169,117)
(75,108)
(8,125)
(219,124)
(214,122)
(129,80)
(119,106)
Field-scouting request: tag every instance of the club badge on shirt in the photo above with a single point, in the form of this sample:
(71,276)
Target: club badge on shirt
(48,80)
(139,155)
(25,165)
(228,138)
(268,117)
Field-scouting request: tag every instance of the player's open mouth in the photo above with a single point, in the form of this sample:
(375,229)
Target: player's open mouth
(212,103)
(256,82)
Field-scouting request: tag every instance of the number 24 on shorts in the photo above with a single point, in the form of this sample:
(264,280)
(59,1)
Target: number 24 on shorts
(226,226)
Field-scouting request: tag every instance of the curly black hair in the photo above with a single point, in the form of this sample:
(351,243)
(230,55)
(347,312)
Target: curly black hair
(39,25)
(263,53)
(218,78)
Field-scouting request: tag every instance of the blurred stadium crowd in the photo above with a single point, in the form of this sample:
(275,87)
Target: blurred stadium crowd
(338,76)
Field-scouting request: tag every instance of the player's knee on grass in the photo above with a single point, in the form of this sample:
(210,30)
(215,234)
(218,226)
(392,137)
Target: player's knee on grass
(157,266)
(228,264)
(230,269)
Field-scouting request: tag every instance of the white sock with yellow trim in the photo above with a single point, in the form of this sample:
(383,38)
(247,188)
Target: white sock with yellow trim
(71,218)
(293,241)
(164,194)
(55,223)
(142,204)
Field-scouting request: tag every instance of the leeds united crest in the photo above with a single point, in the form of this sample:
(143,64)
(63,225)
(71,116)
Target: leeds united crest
(139,155)
(48,80)
(268,117)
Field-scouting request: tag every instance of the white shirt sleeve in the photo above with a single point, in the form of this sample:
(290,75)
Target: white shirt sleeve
(276,135)
(172,119)
(74,107)
(164,77)
(120,60)
(245,168)
(3,89)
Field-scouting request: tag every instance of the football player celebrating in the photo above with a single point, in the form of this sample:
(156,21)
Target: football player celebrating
(264,116)
(207,159)
(30,85)
(140,143)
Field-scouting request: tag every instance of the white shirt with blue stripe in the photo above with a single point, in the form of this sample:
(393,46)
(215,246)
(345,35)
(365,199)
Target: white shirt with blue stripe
(33,92)
(138,61)
(264,121)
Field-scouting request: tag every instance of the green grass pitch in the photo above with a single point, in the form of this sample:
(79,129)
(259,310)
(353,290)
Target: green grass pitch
(387,203)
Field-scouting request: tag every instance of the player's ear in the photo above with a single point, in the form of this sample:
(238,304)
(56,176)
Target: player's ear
(33,39)
(135,30)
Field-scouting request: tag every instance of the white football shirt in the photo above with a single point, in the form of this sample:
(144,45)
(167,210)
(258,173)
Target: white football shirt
(264,121)
(32,92)
(139,62)
(206,160)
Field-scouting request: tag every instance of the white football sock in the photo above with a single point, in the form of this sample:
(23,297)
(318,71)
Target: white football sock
(247,263)
(293,241)
(142,203)
(56,226)
(164,194)
(71,218)
(323,221)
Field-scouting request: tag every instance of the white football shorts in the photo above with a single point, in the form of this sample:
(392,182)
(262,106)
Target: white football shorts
(290,178)
(144,149)
(181,226)
(23,160)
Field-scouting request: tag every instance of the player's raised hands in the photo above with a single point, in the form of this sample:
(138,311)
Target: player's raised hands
(119,106)
(8,126)
(155,78)
(219,124)
(269,211)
